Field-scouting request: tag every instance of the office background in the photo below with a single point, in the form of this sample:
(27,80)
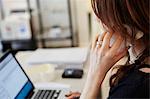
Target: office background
(48,23)
(29,16)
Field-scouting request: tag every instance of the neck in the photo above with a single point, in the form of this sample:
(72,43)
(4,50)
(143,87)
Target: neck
(136,50)
(139,47)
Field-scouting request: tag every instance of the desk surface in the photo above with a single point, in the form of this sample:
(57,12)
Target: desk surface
(75,84)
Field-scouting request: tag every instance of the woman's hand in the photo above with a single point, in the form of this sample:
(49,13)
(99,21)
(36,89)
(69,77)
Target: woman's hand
(102,58)
(73,95)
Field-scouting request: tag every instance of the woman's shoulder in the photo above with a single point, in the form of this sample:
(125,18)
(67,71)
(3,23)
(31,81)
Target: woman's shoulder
(131,90)
(134,84)
(137,75)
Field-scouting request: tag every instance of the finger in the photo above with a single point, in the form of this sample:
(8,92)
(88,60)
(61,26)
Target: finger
(73,96)
(100,39)
(72,93)
(95,41)
(106,40)
(69,94)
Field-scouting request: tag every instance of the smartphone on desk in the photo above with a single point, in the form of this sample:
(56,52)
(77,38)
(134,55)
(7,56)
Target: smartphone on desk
(72,73)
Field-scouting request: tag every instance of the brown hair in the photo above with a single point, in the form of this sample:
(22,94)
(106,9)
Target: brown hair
(115,14)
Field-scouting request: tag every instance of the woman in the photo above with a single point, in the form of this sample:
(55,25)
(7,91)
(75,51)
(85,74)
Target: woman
(129,22)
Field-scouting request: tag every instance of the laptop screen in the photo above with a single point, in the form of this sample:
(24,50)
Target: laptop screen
(13,81)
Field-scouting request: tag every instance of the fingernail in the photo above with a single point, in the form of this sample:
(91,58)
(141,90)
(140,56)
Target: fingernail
(67,95)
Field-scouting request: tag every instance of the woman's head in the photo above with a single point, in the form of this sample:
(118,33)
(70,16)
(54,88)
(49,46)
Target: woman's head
(125,17)
(117,15)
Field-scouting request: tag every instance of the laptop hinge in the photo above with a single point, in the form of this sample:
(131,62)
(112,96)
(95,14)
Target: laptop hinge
(30,95)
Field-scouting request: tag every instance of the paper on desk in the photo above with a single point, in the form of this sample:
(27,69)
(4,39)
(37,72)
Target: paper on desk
(44,68)
(59,56)
(41,73)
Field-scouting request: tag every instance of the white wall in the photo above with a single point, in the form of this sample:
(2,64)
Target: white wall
(80,10)
(0,10)
(0,30)
(96,26)
(82,22)
(74,22)
(83,8)
(0,15)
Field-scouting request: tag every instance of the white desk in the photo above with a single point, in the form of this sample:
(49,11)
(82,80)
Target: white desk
(75,84)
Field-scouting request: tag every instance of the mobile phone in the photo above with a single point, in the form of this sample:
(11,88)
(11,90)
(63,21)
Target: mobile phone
(112,41)
(72,73)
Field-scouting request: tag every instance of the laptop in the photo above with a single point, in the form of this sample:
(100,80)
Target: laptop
(15,84)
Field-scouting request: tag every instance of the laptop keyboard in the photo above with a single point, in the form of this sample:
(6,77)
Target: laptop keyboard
(47,94)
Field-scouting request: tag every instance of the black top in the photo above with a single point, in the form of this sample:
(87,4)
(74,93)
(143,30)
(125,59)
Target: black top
(135,85)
